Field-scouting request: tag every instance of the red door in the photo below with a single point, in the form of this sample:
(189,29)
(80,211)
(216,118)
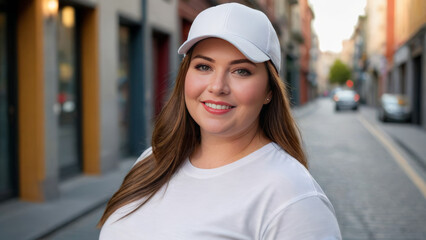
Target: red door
(161,69)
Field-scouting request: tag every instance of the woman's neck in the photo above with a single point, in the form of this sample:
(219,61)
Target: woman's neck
(215,151)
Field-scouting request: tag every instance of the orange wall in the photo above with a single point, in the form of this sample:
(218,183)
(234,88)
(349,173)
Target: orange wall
(306,18)
(90,92)
(390,30)
(410,15)
(31,100)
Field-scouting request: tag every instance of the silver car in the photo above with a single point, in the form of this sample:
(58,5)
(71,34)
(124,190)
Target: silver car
(346,99)
(394,107)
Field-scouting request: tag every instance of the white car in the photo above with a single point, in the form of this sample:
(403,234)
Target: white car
(346,99)
(394,107)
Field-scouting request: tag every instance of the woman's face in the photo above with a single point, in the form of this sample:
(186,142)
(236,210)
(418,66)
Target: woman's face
(224,91)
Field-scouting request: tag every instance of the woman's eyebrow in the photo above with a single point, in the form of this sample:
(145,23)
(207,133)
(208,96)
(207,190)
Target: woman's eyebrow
(243,61)
(238,61)
(205,58)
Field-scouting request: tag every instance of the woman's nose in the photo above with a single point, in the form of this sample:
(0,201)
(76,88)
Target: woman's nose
(219,84)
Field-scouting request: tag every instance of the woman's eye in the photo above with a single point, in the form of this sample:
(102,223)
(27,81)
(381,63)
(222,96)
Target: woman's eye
(202,67)
(242,72)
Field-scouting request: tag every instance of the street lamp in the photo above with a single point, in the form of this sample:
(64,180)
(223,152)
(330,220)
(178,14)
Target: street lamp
(51,8)
(68,16)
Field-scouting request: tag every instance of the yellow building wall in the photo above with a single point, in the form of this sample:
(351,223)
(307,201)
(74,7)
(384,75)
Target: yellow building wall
(90,92)
(31,100)
(417,16)
(410,16)
(30,31)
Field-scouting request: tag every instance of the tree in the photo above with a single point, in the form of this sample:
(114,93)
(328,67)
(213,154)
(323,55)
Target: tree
(339,73)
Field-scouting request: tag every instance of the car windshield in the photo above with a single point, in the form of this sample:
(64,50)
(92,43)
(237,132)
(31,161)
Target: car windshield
(346,94)
(394,99)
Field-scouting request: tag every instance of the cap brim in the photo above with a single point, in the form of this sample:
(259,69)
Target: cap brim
(247,48)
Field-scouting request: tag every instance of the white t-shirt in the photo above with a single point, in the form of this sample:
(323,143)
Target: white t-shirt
(265,195)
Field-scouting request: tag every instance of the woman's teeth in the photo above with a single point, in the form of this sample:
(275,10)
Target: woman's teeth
(217,106)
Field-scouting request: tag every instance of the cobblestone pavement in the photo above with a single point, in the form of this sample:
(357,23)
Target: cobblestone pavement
(372,195)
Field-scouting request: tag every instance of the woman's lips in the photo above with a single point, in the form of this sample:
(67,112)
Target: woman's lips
(217,107)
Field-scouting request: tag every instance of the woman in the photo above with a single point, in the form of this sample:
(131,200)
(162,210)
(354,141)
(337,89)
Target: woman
(226,160)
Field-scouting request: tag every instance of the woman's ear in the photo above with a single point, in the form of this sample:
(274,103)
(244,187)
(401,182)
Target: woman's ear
(268,98)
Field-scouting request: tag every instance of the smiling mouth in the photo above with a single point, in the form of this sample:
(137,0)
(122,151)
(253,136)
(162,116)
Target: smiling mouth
(217,106)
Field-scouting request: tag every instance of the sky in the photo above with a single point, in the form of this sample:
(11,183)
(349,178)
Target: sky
(335,21)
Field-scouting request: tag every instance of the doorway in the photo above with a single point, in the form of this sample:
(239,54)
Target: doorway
(161,68)
(402,79)
(417,91)
(8,101)
(69,92)
(123,87)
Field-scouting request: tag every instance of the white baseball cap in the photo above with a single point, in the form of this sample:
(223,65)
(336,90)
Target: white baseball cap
(249,30)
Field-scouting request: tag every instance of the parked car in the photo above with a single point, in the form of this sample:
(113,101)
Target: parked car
(346,99)
(394,107)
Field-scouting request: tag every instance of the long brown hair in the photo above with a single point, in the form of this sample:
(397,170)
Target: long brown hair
(176,135)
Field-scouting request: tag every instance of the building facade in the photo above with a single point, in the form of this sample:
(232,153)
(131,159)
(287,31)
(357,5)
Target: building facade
(323,65)
(314,53)
(375,49)
(306,17)
(359,74)
(407,69)
(78,92)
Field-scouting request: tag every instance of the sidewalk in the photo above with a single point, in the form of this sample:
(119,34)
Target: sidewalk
(409,137)
(25,220)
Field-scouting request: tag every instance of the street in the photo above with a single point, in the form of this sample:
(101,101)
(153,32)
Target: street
(373,197)
(376,191)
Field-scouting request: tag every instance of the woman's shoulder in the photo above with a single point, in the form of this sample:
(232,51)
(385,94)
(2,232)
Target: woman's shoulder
(145,154)
(281,164)
(285,173)
(285,178)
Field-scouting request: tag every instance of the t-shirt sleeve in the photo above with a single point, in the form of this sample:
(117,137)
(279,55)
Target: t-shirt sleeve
(308,219)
